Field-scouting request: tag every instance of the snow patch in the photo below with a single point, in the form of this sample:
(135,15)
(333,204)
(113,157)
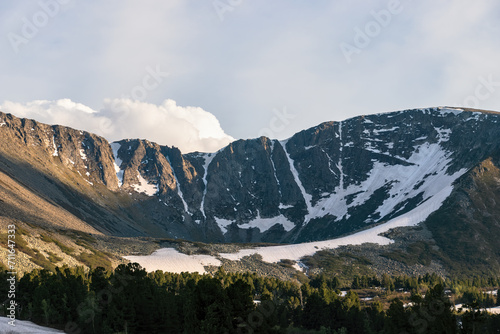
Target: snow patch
(24,327)
(307,197)
(55,153)
(339,164)
(476,117)
(145,187)
(330,162)
(427,159)
(82,154)
(223,224)
(274,168)
(170,260)
(427,165)
(385,130)
(264,224)
(370,148)
(208,159)
(449,110)
(115,147)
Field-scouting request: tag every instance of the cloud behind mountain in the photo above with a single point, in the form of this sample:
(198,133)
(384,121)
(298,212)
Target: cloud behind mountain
(188,128)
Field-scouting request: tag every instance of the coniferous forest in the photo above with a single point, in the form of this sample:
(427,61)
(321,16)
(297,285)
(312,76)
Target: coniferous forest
(130,300)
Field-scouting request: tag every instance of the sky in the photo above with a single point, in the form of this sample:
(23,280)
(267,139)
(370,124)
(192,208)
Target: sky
(197,74)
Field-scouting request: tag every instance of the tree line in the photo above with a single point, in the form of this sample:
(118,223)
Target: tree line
(130,300)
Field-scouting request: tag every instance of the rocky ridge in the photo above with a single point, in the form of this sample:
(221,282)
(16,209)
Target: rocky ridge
(330,180)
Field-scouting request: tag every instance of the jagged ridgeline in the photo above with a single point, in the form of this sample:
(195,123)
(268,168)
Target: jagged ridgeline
(323,182)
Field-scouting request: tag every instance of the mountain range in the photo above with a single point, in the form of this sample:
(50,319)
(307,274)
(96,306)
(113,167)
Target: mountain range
(324,182)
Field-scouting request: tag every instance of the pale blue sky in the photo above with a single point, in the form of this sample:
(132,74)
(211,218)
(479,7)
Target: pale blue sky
(251,59)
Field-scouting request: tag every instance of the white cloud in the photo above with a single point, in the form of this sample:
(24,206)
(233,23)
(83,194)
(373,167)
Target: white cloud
(188,128)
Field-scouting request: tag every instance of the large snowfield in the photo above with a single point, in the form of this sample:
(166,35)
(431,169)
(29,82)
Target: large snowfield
(24,327)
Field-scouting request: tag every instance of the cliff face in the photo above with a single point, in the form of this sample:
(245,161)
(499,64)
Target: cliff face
(323,182)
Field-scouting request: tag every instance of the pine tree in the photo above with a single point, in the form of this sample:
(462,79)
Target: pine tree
(45,307)
(240,296)
(397,319)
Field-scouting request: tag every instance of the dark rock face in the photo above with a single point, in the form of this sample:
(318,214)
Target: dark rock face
(323,182)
